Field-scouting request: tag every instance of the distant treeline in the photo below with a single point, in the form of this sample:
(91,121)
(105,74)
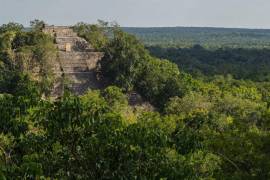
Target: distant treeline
(252,64)
(206,37)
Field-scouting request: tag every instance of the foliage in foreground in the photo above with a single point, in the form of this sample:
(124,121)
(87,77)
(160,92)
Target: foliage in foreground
(92,137)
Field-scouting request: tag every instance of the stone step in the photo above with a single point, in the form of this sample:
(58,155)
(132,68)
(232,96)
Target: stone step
(73,58)
(73,64)
(65,34)
(84,55)
(75,53)
(70,40)
(81,82)
(62,48)
(79,52)
(75,69)
(66,38)
(77,43)
(79,69)
(80,63)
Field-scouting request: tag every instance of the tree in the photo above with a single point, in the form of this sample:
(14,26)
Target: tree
(37,25)
(95,34)
(15,27)
(123,60)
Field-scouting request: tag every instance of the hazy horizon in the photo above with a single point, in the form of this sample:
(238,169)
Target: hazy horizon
(138,13)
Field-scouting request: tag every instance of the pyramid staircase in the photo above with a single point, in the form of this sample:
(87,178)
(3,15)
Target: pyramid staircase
(77,61)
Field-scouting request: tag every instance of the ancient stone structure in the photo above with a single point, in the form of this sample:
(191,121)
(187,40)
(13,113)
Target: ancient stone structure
(77,61)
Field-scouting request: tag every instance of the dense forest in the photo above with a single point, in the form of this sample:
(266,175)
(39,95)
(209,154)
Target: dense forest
(207,122)
(248,64)
(211,38)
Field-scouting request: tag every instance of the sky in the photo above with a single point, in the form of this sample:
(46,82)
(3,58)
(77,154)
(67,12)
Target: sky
(141,13)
